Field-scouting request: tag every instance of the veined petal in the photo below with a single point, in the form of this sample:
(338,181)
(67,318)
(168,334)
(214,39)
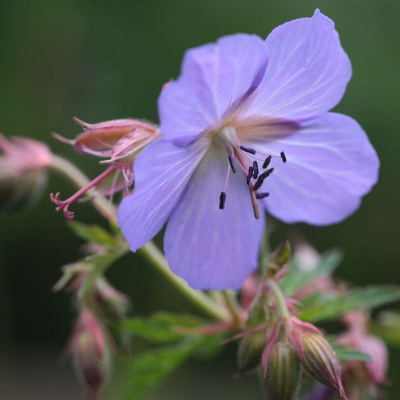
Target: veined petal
(214,79)
(307,71)
(162,171)
(208,247)
(330,166)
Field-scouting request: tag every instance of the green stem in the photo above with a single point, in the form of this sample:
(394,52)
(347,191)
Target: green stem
(279,298)
(152,253)
(233,307)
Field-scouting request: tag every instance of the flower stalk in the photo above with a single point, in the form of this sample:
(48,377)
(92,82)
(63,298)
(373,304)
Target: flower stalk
(149,250)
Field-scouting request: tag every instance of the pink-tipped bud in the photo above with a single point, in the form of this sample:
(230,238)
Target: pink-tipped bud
(315,353)
(22,172)
(282,381)
(89,351)
(321,361)
(363,376)
(110,300)
(250,351)
(120,139)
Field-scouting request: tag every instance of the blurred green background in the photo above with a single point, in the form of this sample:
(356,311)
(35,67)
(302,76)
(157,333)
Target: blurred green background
(102,60)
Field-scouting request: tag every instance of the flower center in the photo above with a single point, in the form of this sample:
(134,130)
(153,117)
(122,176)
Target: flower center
(254,164)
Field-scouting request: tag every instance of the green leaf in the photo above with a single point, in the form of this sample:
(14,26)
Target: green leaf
(332,306)
(150,368)
(296,278)
(92,233)
(162,327)
(345,353)
(281,255)
(387,327)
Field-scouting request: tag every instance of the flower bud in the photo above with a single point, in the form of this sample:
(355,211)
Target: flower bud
(282,380)
(110,300)
(361,378)
(120,139)
(315,353)
(318,357)
(23,172)
(89,351)
(250,351)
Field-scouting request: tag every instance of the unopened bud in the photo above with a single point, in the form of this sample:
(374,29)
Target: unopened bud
(250,351)
(321,361)
(110,300)
(282,380)
(119,139)
(22,172)
(89,351)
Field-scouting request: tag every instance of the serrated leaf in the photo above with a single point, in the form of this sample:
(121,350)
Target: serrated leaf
(345,353)
(162,327)
(92,233)
(332,307)
(296,278)
(150,368)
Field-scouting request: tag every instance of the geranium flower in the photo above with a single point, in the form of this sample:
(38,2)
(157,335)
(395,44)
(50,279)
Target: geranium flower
(248,118)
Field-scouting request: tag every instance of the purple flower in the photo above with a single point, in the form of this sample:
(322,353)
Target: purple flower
(238,102)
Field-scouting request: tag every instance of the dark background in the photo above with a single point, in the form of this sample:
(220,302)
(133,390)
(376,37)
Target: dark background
(102,60)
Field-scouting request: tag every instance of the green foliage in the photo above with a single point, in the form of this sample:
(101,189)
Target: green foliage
(331,306)
(162,327)
(180,341)
(296,278)
(345,353)
(387,328)
(91,233)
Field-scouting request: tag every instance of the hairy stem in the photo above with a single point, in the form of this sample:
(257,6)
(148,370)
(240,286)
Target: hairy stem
(279,299)
(204,302)
(150,251)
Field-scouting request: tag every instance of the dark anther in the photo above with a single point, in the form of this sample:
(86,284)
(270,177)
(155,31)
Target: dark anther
(222,198)
(262,177)
(283,156)
(255,169)
(231,163)
(249,174)
(267,173)
(267,161)
(262,195)
(248,150)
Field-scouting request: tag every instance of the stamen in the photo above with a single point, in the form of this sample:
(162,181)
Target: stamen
(283,156)
(262,195)
(222,198)
(254,203)
(230,158)
(249,174)
(255,169)
(262,177)
(248,150)
(267,161)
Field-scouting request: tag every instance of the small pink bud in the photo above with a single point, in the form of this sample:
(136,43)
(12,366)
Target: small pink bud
(89,351)
(321,361)
(23,172)
(363,376)
(110,299)
(315,353)
(282,381)
(119,139)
